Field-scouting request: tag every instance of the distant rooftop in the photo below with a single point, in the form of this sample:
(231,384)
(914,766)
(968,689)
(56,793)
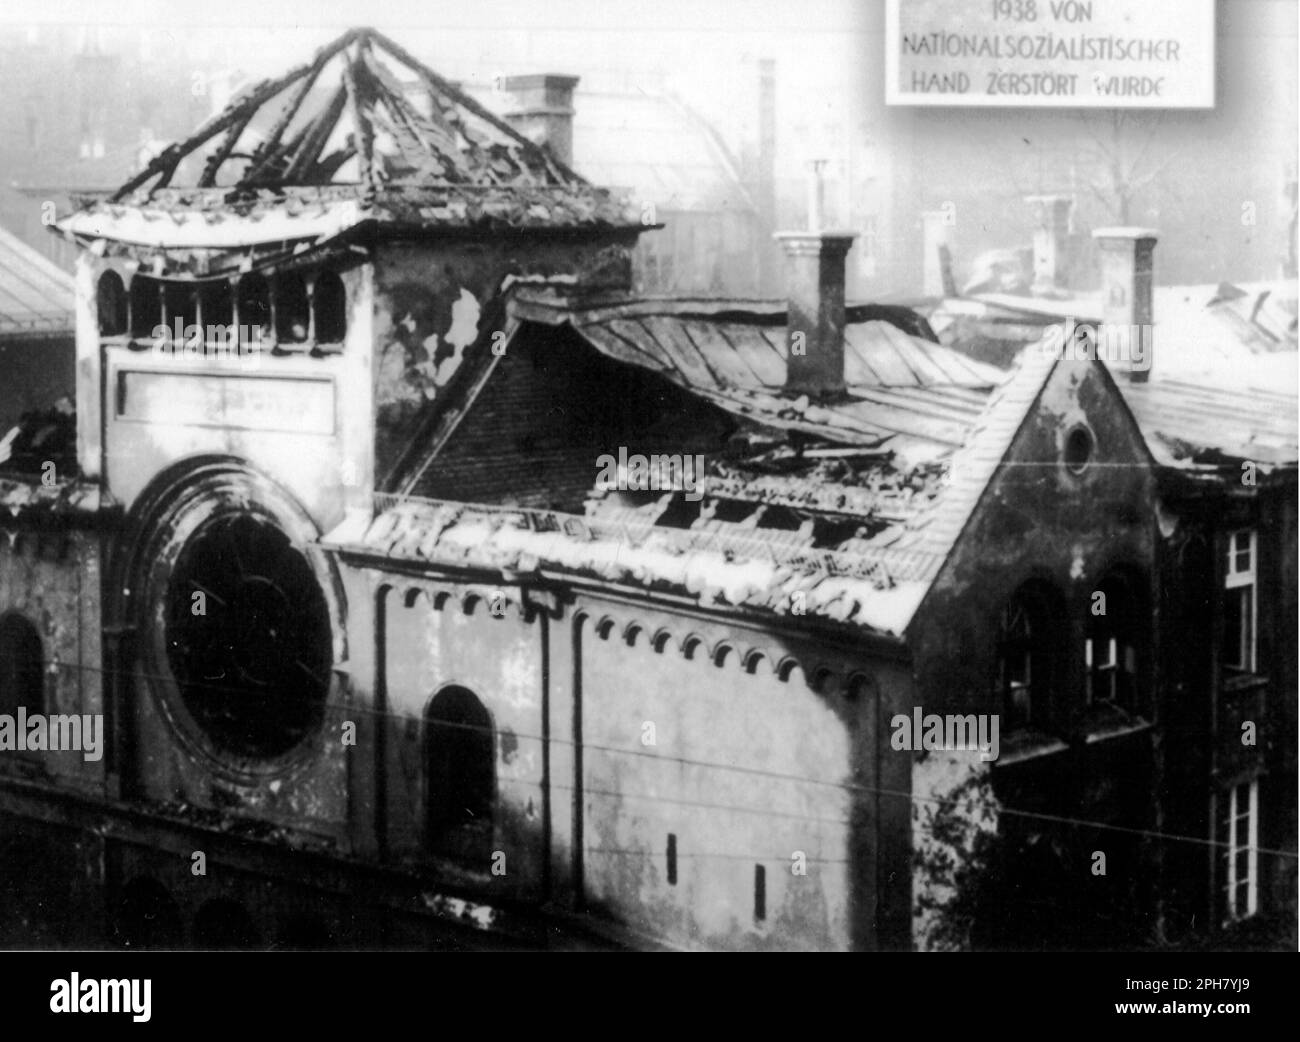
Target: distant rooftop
(35,296)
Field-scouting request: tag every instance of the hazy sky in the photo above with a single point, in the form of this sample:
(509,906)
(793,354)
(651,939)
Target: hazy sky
(702,50)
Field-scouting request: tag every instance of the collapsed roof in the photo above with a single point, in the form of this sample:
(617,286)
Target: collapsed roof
(1222,386)
(843,510)
(363,133)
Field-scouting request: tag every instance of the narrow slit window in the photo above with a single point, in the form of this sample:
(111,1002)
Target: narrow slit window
(760,893)
(672,859)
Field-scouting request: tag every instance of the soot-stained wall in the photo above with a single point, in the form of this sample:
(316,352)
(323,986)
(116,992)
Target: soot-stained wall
(52,580)
(1039,520)
(436,298)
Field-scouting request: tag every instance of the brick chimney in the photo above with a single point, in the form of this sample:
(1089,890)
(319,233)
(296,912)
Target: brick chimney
(815,288)
(769,263)
(935,225)
(1127,311)
(1051,244)
(542,110)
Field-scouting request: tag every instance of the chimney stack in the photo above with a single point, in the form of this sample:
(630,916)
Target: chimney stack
(1051,243)
(815,318)
(768,263)
(1127,284)
(542,110)
(934,240)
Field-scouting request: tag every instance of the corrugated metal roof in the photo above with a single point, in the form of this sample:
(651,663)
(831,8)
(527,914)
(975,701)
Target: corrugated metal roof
(35,296)
(1187,424)
(917,441)
(1223,380)
(920,397)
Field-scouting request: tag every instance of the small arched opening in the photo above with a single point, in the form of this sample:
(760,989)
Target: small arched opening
(330,307)
(111,300)
(460,770)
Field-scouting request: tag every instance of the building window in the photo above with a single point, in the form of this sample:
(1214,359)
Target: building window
(181,306)
(1239,841)
(868,252)
(253,303)
(292,312)
(248,639)
(1110,647)
(146,307)
(460,766)
(111,304)
(1077,450)
(1025,641)
(217,307)
(330,307)
(22,667)
(1239,602)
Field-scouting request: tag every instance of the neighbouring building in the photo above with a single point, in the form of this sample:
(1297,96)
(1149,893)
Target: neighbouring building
(426,567)
(1215,400)
(37,328)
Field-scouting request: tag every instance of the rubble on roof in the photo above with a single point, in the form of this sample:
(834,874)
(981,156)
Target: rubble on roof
(857,533)
(28,500)
(41,438)
(876,591)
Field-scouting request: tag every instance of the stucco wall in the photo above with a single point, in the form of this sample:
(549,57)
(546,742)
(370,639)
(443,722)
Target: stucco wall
(1038,520)
(52,580)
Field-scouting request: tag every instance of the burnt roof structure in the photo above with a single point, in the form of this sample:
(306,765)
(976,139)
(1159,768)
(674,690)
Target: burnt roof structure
(363,134)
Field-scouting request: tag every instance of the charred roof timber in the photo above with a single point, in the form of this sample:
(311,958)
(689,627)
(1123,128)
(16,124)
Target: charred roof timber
(363,134)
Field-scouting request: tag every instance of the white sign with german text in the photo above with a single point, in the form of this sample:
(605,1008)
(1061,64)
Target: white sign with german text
(1152,54)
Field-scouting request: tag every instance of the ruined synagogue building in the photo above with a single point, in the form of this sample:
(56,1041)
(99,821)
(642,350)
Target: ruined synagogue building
(434,585)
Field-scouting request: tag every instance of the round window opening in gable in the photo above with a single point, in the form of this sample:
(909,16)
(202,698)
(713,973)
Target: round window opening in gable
(1078,449)
(253,664)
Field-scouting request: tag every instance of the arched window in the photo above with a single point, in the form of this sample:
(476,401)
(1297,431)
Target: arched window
(292,315)
(254,302)
(460,766)
(110,298)
(1111,644)
(218,308)
(146,306)
(1028,635)
(22,666)
(330,306)
(181,306)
